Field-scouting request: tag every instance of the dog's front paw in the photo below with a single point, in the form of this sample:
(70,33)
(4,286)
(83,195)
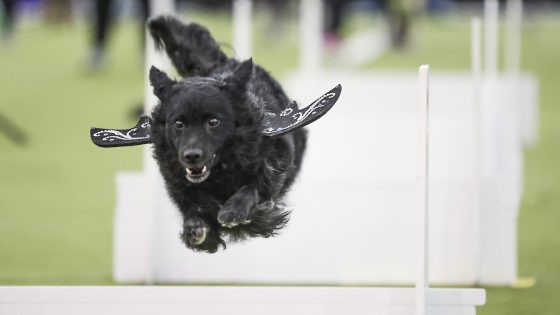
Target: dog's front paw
(233,217)
(195,231)
(239,207)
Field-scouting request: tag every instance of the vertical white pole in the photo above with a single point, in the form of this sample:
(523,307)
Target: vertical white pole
(152,58)
(422,180)
(491,25)
(242,30)
(310,29)
(490,81)
(476,65)
(476,58)
(514,16)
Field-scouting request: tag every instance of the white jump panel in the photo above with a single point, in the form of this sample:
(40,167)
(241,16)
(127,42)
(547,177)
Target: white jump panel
(170,300)
(354,201)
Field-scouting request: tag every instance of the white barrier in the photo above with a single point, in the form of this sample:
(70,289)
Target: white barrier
(171,300)
(372,191)
(381,158)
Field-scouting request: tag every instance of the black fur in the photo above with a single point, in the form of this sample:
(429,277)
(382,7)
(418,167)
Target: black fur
(249,174)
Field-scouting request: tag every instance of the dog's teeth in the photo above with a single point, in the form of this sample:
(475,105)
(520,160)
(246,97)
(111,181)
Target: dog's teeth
(188,171)
(204,169)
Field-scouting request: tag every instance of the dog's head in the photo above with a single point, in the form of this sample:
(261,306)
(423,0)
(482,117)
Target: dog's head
(200,116)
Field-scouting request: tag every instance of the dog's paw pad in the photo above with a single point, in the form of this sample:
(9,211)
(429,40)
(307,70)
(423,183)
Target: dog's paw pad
(228,224)
(195,232)
(198,235)
(231,219)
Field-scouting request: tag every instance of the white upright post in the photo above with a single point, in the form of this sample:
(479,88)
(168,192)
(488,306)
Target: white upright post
(514,20)
(476,57)
(491,25)
(242,30)
(158,59)
(310,29)
(152,56)
(476,68)
(422,260)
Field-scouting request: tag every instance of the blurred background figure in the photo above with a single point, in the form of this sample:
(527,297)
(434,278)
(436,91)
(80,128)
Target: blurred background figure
(397,13)
(278,11)
(8,19)
(58,11)
(105,13)
(103,20)
(334,19)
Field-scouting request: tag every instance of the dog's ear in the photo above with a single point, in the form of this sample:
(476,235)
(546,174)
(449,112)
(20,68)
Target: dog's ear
(241,75)
(161,83)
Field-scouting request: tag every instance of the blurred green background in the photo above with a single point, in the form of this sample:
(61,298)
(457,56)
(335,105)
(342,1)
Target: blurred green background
(57,192)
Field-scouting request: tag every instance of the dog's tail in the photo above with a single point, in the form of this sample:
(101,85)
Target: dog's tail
(191,48)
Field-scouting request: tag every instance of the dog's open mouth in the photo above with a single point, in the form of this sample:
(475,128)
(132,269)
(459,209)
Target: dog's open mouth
(199,174)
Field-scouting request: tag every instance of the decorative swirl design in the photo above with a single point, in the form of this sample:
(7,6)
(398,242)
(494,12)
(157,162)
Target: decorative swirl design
(300,116)
(137,133)
(112,135)
(286,112)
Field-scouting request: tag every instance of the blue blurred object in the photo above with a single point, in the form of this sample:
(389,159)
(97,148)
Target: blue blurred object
(29,5)
(439,5)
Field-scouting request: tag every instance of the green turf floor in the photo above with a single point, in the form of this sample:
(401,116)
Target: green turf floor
(57,191)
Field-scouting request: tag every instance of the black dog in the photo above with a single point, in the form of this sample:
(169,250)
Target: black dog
(225,177)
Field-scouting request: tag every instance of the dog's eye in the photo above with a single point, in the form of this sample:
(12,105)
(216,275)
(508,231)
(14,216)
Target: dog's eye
(179,124)
(213,122)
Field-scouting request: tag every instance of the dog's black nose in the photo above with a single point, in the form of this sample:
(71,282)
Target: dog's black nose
(192,155)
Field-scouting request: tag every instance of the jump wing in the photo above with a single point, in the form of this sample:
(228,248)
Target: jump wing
(274,125)
(291,118)
(108,138)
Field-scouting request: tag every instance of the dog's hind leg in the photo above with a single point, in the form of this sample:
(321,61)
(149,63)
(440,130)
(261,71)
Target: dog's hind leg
(191,48)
